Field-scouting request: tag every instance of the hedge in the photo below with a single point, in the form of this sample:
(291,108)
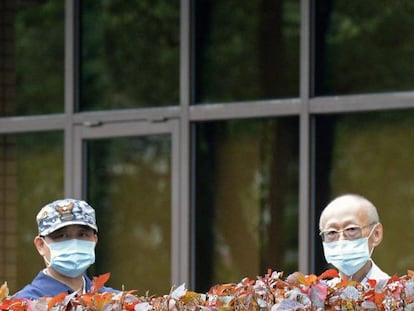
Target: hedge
(268,292)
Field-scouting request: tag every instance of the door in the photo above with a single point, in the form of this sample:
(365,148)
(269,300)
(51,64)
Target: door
(129,173)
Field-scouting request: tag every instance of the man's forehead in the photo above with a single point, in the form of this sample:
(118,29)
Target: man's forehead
(343,214)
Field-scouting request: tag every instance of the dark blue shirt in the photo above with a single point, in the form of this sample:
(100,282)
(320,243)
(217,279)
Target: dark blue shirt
(44,285)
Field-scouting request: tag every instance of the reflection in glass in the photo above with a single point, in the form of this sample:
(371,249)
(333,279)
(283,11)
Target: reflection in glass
(246,50)
(129,184)
(31,175)
(371,154)
(129,54)
(246,199)
(32,57)
(363,46)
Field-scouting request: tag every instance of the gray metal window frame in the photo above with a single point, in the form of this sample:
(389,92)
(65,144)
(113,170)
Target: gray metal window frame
(305,107)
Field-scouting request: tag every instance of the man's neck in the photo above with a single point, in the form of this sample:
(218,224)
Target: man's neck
(76,284)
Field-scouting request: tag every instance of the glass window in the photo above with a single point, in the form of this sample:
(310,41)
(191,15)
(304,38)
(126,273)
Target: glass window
(246,50)
(363,46)
(246,213)
(129,54)
(31,175)
(129,184)
(370,154)
(31,57)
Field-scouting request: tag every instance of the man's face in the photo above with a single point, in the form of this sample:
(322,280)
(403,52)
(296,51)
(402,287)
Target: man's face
(70,232)
(345,221)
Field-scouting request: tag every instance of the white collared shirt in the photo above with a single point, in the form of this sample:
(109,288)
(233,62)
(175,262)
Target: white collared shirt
(375,273)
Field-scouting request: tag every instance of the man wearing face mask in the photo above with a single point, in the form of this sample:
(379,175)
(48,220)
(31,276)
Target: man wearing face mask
(66,241)
(350,230)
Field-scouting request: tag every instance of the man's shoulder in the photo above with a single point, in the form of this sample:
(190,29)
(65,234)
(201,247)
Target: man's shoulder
(376,273)
(42,285)
(32,290)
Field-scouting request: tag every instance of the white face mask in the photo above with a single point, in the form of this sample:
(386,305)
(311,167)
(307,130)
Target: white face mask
(348,256)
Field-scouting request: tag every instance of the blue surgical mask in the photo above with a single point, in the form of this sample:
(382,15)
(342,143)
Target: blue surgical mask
(348,256)
(72,257)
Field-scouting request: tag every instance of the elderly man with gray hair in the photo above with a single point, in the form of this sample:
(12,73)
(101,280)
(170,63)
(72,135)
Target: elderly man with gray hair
(350,230)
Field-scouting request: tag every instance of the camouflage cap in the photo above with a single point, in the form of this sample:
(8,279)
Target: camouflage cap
(61,213)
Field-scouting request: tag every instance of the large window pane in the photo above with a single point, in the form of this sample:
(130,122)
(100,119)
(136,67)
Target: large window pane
(129,54)
(371,154)
(31,57)
(246,199)
(129,184)
(31,175)
(246,50)
(364,46)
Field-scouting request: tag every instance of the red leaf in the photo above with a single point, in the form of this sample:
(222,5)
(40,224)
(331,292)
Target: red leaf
(328,274)
(58,298)
(393,278)
(379,298)
(18,304)
(99,281)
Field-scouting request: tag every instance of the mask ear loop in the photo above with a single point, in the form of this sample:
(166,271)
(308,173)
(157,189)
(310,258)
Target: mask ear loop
(372,230)
(44,257)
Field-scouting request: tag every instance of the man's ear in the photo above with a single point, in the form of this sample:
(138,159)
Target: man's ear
(40,245)
(376,237)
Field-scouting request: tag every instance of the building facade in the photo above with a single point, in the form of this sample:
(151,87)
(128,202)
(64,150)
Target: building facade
(207,134)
